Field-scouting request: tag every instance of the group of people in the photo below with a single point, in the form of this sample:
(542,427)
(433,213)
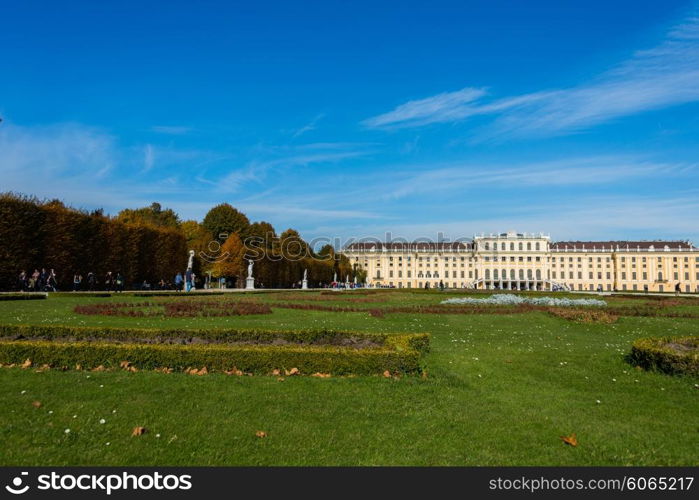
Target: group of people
(46,281)
(38,281)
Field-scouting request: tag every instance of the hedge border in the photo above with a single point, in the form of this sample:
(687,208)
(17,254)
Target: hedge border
(400,353)
(652,354)
(23,296)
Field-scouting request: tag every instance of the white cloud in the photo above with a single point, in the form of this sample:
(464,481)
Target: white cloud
(665,75)
(447,106)
(309,126)
(148,158)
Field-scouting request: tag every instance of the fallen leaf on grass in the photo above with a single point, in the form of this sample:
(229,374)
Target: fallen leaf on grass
(321,375)
(387,374)
(36,404)
(281,379)
(138,431)
(124,364)
(276,372)
(424,374)
(78,367)
(572,440)
(234,371)
(42,368)
(293,371)
(27,363)
(99,368)
(261,434)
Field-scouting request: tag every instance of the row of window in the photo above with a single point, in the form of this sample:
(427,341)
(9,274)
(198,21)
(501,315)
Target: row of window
(503,246)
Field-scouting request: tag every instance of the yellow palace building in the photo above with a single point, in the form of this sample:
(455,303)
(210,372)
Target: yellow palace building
(525,261)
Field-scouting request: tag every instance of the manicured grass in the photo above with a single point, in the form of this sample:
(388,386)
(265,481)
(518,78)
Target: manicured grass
(500,390)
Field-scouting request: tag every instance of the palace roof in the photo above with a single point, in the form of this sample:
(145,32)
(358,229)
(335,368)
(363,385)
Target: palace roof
(621,245)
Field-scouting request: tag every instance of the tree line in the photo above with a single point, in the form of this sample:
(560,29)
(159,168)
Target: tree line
(151,244)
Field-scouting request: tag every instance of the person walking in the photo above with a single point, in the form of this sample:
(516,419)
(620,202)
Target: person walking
(108,281)
(119,282)
(91,281)
(22,281)
(51,282)
(34,281)
(188,280)
(77,279)
(178,282)
(678,288)
(43,278)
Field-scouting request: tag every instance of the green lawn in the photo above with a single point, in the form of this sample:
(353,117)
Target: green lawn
(501,389)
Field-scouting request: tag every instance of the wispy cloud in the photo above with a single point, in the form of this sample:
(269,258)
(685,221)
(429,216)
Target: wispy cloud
(662,76)
(148,158)
(444,107)
(258,170)
(309,126)
(580,171)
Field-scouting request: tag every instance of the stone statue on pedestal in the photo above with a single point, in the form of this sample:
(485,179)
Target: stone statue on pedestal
(250,281)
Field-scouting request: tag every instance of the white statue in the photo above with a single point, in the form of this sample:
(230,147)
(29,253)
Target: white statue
(250,263)
(335,278)
(190,262)
(305,274)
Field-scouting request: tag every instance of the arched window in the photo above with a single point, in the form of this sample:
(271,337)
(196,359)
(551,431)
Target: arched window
(529,274)
(537,246)
(520,246)
(529,246)
(502,246)
(512,246)
(512,274)
(487,274)
(495,274)
(538,274)
(521,274)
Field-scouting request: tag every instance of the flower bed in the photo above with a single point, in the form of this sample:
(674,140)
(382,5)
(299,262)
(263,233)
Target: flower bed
(508,299)
(175,308)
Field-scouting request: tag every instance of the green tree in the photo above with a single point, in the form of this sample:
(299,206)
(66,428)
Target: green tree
(224,220)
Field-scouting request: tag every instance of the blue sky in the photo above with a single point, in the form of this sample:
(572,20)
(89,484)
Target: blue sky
(353,119)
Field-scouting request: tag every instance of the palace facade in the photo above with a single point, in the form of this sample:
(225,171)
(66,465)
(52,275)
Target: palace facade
(524,261)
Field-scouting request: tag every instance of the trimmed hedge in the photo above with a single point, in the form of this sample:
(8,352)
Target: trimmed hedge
(657,354)
(22,296)
(311,350)
(80,294)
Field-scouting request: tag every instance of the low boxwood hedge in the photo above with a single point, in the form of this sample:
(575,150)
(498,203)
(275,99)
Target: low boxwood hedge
(309,351)
(673,355)
(22,296)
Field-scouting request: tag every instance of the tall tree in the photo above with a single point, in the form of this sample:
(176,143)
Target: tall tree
(224,220)
(230,263)
(153,215)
